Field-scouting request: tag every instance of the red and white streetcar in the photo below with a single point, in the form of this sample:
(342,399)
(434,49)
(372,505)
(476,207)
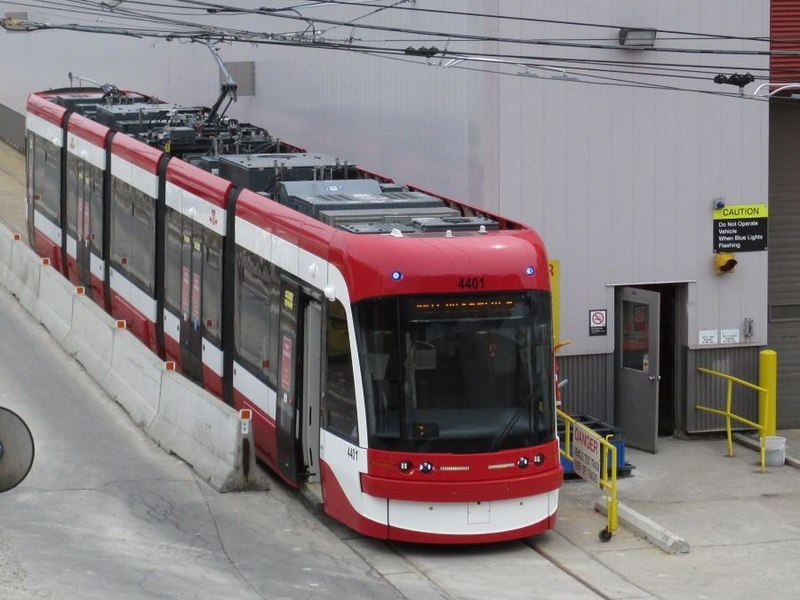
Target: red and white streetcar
(394,346)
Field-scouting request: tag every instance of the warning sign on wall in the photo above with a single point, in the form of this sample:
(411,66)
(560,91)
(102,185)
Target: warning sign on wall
(740,228)
(598,322)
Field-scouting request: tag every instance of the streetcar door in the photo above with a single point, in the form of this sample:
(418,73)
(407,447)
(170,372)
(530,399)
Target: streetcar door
(312,387)
(637,366)
(191,286)
(288,404)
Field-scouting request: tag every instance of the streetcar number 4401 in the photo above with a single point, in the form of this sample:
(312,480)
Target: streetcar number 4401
(470,283)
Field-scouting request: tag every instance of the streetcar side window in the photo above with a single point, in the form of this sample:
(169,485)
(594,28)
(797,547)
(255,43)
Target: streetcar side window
(47,177)
(339,407)
(144,239)
(133,232)
(172,260)
(121,210)
(212,284)
(256,315)
(73,180)
(94,192)
(30,162)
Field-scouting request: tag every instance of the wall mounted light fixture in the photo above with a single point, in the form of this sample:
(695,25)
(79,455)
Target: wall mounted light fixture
(637,37)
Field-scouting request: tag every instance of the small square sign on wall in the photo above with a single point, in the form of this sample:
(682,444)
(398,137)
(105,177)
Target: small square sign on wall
(598,322)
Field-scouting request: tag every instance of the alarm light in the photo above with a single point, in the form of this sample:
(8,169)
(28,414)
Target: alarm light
(724,262)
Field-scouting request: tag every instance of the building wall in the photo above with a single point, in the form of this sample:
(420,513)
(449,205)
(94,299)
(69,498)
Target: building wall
(784,277)
(619,180)
(784,270)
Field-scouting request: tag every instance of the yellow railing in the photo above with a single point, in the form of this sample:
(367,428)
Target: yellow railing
(768,366)
(608,469)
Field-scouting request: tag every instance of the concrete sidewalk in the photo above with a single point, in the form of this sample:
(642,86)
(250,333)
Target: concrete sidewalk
(742,526)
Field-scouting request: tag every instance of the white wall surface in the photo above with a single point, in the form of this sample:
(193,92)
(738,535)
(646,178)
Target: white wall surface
(619,180)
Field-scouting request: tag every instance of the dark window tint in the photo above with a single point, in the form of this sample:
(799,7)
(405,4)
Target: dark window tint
(256,314)
(46,171)
(212,285)
(74,177)
(172,260)
(457,373)
(133,233)
(339,407)
(93,194)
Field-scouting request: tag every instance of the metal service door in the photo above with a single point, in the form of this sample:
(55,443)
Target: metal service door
(637,370)
(191,286)
(312,387)
(288,405)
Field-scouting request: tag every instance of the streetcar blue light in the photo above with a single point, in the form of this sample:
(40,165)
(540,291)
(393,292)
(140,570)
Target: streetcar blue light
(530,271)
(397,275)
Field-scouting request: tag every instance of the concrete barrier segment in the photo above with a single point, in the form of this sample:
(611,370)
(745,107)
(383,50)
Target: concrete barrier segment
(23,276)
(207,434)
(134,378)
(53,306)
(645,528)
(180,416)
(91,337)
(6,239)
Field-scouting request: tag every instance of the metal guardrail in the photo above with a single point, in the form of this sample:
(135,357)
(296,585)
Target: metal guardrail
(768,367)
(602,471)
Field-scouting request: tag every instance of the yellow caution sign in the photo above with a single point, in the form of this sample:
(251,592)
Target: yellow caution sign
(742,211)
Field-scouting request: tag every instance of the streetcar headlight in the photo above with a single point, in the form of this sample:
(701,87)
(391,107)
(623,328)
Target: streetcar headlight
(538,459)
(522,463)
(405,466)
(426,467)
(397,275)
(530,271)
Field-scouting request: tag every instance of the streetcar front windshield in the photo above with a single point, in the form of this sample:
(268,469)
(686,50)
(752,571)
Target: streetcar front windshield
(457,374)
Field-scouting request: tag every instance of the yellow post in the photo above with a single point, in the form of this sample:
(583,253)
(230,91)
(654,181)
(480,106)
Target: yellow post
(768,379)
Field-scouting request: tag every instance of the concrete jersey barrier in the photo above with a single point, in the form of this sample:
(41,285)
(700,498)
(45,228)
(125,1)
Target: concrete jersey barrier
(90,339)
(53,306)
(177,414)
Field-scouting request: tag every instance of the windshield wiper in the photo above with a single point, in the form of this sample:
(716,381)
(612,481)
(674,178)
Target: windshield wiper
(502,435)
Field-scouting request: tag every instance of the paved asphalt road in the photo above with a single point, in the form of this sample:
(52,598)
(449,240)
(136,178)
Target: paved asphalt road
(105,513)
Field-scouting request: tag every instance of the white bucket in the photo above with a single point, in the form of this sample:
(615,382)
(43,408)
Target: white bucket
(776,450)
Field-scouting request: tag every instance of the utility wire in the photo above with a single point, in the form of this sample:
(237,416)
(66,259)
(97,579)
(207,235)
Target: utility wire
(284,13)
(191,30)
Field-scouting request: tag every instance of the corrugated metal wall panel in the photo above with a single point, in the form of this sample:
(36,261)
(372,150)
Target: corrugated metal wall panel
(784,245)
(784,338)
(711,391)
(589,389)
(784,35)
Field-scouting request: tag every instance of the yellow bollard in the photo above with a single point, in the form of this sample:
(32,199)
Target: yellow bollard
(768,379)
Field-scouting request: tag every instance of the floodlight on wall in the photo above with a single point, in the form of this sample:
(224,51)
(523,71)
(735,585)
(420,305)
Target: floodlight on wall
(637,37)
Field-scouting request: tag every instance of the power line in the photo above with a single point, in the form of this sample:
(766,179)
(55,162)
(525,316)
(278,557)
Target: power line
(284,13)
(709,36)
(586,67)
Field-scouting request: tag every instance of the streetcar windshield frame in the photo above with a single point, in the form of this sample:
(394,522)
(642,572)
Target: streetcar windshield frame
(456,373)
